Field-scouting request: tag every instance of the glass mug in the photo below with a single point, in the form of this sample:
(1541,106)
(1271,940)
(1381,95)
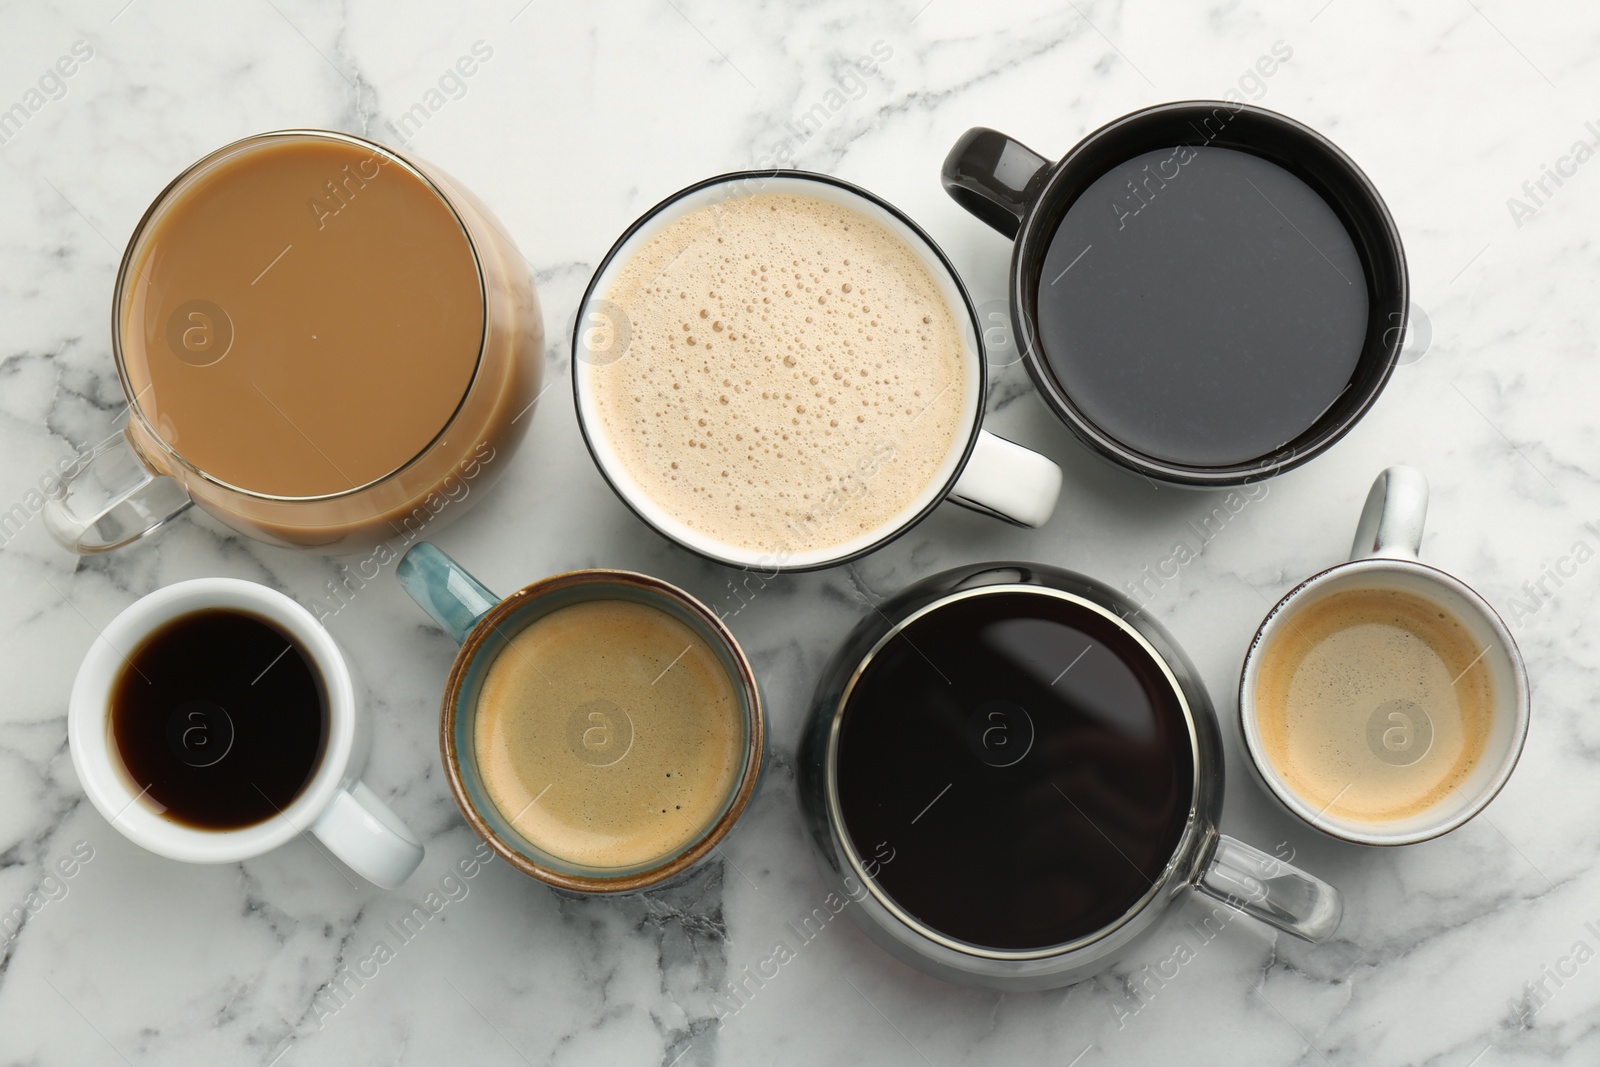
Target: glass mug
(425,308)
(1025,773)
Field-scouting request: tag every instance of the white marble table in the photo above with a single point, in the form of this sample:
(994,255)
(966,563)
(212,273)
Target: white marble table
(1473,949)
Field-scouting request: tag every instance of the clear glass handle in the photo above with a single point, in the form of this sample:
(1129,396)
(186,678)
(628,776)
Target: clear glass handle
(111,499)
(1266,888)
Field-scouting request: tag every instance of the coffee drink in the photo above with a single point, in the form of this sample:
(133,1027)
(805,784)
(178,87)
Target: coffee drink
(794,378)
(608,734)
(1023,772)
(304,320)
(1202,305)
(1373,704)
(323,341)
(601,729)
(219,718)
(214,720)
(1028,764)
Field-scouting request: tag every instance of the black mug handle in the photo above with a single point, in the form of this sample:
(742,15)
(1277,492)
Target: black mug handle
(994,177)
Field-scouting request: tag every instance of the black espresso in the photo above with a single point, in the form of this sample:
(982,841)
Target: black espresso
(1202,305)
(1028,763)
(221,717)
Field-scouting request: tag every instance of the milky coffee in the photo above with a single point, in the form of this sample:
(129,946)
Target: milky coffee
(339,339)
(609,734)
(1373,704)
(344,340)
(794,379)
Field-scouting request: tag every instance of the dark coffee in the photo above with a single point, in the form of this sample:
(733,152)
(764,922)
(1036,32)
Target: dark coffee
(1028,762)
(1202,305)
(221,718)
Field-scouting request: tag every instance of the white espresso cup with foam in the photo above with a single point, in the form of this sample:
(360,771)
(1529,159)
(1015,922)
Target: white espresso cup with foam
(959,461)
(1336,689)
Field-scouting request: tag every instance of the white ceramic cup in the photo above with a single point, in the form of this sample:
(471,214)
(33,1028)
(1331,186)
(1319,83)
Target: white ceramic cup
(345,815)
(980,470)
(1384,556)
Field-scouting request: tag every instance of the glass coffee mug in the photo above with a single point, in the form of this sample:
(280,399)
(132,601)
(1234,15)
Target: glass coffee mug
(831,444)
(323,343)
(601,730)
(1025,774)
(1382,700)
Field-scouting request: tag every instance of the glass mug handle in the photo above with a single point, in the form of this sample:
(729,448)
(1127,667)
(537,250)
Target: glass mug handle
(1010,482)
(110,498)
(1270,890)
(1391,522)
(452,597)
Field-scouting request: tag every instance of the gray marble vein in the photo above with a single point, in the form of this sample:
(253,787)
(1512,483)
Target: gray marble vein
(1475,950)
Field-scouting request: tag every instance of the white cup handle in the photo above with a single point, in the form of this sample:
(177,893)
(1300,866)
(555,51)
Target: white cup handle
(1008,481)
(361,830)
(1392,520)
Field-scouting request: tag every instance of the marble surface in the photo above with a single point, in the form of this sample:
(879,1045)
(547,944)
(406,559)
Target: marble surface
(1471,950)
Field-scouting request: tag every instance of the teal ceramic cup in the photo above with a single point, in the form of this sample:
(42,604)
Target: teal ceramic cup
(484,625)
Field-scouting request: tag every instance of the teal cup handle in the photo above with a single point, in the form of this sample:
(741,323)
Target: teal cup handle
(443,588)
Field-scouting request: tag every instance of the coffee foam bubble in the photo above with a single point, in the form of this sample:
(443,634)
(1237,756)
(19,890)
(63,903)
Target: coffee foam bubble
(794,378)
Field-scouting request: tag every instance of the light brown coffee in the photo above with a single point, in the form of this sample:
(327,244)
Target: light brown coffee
(1373,704)
(304,317)
(609,734)
(354,309)
(794,379)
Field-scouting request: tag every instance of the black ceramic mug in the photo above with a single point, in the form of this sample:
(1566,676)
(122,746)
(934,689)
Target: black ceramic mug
(1206,293)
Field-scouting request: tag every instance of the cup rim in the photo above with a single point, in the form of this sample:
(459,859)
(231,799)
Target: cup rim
(1197,831)
(979,371)
(711,838)
(1109,447)
(136,415)
(1250,731)
(97,763)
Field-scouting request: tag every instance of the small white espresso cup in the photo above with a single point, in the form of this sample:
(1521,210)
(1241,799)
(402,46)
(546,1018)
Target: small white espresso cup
(1384,556)
(349,818)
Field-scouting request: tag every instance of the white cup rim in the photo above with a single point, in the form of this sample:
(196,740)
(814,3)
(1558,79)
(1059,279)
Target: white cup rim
(1345,829)
(950,285)
(100,770)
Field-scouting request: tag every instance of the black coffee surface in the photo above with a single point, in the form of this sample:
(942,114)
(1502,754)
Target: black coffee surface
(1027,763)
(1202,305)
(222,717)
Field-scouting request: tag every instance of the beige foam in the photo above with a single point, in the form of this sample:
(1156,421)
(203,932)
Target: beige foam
(1339,660)
(615,790)
(794,378)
